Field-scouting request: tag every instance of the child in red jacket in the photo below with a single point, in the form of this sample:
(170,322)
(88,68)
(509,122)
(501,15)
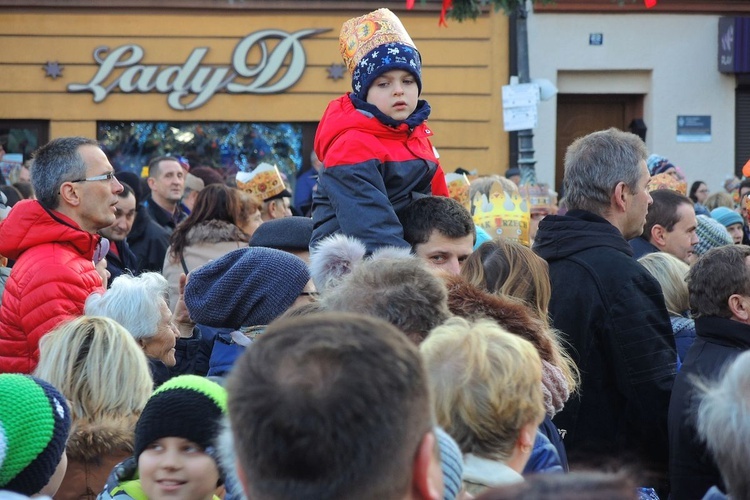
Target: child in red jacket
(374,141)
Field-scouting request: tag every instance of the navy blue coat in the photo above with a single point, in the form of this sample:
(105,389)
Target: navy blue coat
(718,341)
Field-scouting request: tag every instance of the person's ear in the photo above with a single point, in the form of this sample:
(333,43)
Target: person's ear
(427,474)
(658,233)
(151,181)
(69,195)
(620,196)
(272,208)
(740,307)
(527,436)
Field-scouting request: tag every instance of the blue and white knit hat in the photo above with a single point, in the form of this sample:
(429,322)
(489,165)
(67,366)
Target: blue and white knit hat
(726,216)
(375,43)
(451,463)
(34,427)
(711,234)
(658,164)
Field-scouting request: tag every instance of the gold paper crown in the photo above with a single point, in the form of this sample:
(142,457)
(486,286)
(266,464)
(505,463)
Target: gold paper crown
(265,181)
(360,35)
(458,189)
(667,181)
(502,215)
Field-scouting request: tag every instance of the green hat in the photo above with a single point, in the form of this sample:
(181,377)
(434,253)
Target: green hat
(34,427)
(187,406)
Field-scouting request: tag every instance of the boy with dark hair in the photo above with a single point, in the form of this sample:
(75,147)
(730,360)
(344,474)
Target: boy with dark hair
(440,231)
(374,141)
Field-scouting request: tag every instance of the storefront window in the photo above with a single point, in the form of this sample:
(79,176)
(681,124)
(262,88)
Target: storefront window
(18,140)
(231,147)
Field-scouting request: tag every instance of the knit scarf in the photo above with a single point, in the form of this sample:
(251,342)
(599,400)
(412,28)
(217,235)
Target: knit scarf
(554,387)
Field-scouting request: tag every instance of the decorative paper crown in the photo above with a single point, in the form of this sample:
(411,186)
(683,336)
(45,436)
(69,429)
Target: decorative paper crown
(502,215)
(362,34)
(458,188)
(265,182)
(667,181)
(540,198)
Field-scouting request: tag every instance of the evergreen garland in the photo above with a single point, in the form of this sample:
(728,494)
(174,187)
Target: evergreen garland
(470,9)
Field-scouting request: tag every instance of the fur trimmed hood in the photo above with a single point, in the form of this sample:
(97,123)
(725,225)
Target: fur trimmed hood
(336,256)
(90,441)
(215,231)
(470,302)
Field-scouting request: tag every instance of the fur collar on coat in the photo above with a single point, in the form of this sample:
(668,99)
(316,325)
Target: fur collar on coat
(90,441)
(215,231)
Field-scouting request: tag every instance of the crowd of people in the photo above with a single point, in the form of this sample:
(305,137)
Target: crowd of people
(404,335)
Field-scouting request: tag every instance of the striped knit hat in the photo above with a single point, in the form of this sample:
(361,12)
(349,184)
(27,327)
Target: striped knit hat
(711,234)
(187,406)
(34,427)
(451,463)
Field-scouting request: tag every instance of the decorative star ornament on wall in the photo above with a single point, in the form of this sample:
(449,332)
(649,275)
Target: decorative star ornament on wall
(53,69)
(336,71)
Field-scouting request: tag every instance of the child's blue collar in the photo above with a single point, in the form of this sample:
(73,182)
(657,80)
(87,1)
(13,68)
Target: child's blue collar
(420,114)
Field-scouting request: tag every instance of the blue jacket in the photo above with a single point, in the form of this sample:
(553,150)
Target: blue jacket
(544,458)
(641,247)
(684,334)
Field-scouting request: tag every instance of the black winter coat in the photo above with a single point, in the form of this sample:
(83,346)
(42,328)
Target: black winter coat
(124,262)
(148,241)
(718,341)
(612,312)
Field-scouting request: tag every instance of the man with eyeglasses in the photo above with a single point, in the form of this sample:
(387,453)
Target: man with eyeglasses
(53,240)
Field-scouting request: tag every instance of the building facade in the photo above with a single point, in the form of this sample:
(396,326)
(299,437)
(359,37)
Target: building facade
(616,62)
(226,78)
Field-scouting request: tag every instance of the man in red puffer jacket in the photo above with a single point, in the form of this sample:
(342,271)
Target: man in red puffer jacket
(53,240)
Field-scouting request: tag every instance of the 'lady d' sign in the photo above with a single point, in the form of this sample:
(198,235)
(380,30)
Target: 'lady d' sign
(201,81)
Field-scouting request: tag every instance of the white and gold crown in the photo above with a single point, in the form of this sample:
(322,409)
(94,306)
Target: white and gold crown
(264,181)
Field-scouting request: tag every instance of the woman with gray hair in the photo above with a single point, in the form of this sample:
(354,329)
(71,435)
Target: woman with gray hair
(724,423)
(140,305)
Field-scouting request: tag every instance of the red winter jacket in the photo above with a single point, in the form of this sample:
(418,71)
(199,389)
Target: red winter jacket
(53,275)
(371,171)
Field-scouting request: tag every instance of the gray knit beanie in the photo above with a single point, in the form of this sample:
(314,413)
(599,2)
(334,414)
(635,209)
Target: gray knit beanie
(246,287)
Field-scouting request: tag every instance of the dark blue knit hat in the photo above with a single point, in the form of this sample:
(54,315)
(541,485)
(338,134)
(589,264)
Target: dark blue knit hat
(246,287)
(384,58)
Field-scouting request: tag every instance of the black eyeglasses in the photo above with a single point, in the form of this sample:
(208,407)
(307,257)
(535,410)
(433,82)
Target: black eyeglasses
(104,177)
